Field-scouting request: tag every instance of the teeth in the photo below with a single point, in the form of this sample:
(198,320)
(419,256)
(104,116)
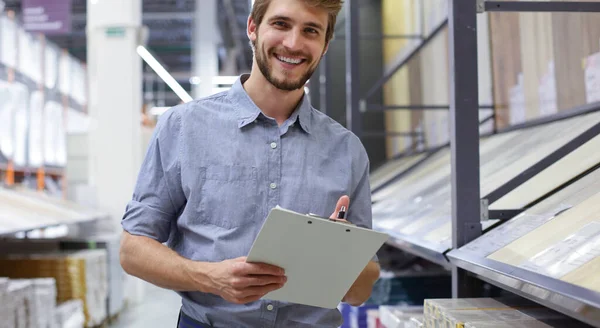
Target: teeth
(289,60)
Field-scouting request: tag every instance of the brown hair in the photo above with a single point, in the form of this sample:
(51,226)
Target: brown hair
(332,7)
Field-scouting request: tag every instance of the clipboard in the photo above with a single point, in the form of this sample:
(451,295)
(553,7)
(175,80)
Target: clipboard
(321,258)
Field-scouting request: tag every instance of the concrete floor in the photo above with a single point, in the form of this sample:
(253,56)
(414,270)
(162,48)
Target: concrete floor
(159,310)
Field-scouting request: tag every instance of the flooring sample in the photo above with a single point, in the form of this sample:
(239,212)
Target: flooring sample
(416,97)
(567,168)
(24,211)
(396,90)
(568,52)
(435,89)
(391,169)
(535,216)
(561,245)
(525,152)
(506,61)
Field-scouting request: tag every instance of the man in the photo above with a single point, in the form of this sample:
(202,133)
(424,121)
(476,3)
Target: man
(215,167)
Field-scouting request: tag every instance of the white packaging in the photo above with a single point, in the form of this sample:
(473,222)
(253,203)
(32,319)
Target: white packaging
(70,314)
(21,296)
(6,312)
(398,316)
(45,302)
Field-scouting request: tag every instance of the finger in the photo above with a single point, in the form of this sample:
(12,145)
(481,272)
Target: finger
(343,201)
(261,290)
(340,220)
(262,280)
(261,269)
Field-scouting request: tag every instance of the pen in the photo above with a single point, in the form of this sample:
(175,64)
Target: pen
(342,213)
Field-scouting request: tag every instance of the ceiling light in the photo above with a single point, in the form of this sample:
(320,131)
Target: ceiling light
(225,80)
(157,111)
(194,80)
(163,74)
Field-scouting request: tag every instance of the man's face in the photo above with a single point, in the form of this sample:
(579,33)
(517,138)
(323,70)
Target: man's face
(289,42)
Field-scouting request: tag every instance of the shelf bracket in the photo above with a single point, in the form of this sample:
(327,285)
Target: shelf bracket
(480,6)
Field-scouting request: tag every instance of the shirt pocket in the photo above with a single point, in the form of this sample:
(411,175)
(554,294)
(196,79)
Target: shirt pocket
(229,195)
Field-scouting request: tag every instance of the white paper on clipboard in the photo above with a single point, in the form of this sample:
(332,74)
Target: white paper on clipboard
(321,258)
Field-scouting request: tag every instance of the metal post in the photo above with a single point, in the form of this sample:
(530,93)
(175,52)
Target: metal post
(464,134)
(323,75)
(353,114)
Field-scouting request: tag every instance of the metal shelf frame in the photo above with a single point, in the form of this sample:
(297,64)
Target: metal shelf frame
(577,302)
(464,143)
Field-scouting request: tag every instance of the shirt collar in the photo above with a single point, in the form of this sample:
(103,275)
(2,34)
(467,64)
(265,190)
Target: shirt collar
(248,112)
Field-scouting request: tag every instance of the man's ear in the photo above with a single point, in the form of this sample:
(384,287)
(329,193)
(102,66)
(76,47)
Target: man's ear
(325,50)
(251,29)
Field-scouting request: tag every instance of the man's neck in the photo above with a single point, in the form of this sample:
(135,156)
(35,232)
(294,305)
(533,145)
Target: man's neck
(273,102)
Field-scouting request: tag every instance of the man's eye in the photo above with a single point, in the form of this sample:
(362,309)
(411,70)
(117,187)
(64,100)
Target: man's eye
(311,30)
(282,24)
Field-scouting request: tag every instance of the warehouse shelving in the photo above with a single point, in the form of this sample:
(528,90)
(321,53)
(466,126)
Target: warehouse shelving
(40,84)
(472,201)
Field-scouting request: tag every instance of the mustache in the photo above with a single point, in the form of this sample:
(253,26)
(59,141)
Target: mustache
(285,53)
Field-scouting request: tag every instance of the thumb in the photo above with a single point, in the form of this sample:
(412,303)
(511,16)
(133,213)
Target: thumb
(343,201)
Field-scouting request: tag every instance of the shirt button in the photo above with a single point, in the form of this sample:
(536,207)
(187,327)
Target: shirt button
(270,307)
(273,145)
(273,185)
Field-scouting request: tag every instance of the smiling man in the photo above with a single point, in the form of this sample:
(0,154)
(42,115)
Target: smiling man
(216,166)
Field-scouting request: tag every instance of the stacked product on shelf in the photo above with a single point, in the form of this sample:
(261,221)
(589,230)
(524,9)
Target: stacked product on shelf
(70,314)
(400,316)
(507,312)
(79,275)
(5,312)
(21,297)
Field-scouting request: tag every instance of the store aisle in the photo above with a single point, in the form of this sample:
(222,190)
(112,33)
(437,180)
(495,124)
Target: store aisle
(159,310)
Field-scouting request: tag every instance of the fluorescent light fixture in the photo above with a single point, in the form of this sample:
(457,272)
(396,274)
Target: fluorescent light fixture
(225,80)
(194,80)
(157,111)
(163,74)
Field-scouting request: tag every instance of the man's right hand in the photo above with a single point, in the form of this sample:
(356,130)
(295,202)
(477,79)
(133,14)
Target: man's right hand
(240,282)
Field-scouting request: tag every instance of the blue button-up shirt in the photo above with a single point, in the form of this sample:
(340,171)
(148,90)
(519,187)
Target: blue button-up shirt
(214,169)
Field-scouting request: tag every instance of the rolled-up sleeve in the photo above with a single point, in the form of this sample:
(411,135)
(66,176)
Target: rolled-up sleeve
(158,196)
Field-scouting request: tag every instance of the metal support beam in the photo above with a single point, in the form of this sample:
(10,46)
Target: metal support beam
(542,6)
(353,114)
(323,89)
(464,135)
(405,59)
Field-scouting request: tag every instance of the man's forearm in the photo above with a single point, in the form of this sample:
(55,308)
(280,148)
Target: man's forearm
(363,286)
(152,261)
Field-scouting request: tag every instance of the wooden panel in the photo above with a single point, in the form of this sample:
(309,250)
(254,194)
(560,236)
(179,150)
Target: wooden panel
(529,59)
(396,91)
(435,88)
(568,51)
(591,31)
(550,233)
(415,93)
(506,61)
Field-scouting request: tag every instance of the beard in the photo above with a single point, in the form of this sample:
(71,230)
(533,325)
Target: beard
(265,67)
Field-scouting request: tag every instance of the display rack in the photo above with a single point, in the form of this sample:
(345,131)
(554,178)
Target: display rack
(415,210)
(468,196)
(39,84)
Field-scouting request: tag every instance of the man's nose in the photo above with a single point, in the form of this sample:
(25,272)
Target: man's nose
(293,40)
